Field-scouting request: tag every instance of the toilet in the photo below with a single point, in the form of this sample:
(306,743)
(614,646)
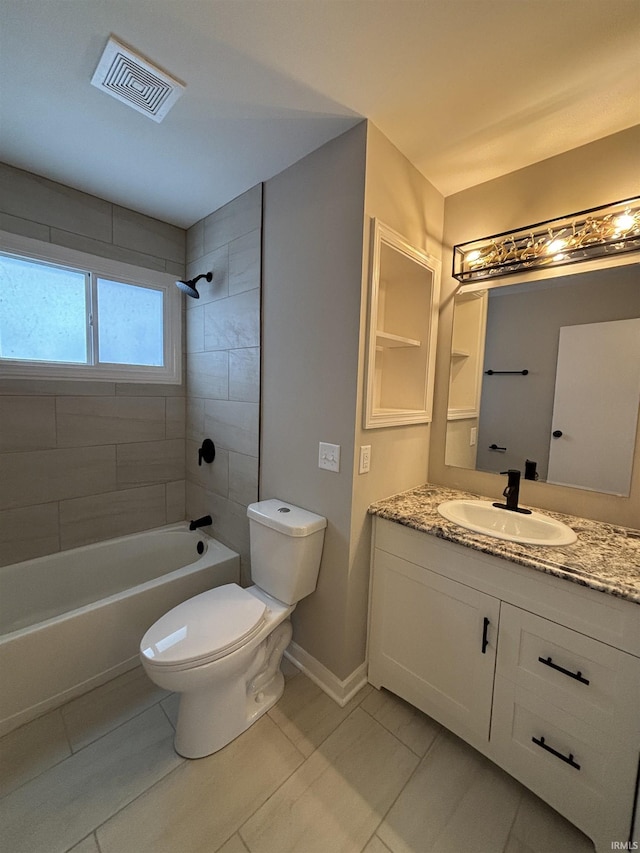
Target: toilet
(222,649)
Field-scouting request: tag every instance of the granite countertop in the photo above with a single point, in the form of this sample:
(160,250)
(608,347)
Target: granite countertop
(605,557)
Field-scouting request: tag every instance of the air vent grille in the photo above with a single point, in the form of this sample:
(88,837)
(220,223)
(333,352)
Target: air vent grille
(131,79)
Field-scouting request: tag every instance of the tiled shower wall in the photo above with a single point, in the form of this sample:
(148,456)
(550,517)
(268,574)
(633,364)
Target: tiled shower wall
(223,368)
(84,461)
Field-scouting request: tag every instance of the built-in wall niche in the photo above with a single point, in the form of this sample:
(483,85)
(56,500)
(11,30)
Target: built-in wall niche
(403,316)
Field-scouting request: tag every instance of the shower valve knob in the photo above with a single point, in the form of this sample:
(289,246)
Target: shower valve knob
(207,452)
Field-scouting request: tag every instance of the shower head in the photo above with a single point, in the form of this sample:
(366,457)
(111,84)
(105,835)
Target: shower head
(189,287)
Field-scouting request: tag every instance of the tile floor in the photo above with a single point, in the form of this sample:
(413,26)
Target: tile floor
(100,775)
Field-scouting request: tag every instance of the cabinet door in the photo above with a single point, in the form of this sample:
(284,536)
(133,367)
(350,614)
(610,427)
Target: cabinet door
(433,642)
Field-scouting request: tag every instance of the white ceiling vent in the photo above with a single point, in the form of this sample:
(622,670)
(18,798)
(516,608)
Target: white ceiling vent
(131,79)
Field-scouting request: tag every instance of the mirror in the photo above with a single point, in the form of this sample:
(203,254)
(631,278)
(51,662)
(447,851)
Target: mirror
(545,378)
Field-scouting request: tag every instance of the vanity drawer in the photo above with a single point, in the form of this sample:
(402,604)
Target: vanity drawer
(585,773)
(584,677)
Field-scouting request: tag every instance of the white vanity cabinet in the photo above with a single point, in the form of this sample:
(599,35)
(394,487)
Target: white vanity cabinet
(539,674)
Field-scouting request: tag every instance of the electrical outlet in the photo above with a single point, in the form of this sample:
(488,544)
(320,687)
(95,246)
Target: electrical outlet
(473,436)
(365,459)
(329,456)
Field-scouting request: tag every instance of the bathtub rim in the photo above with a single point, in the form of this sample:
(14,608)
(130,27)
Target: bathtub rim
(202,562)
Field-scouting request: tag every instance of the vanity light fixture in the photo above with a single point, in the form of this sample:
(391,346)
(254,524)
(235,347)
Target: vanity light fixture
(606,231)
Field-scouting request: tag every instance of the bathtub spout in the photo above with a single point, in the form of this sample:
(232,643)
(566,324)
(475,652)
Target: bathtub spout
(200,522)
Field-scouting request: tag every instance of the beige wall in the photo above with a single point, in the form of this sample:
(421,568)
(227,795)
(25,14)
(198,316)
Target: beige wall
(223,368)
(316,255)
(84,461)
(602,172)
(398,195)
(312,266)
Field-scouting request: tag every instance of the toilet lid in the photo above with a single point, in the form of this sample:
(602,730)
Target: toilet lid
(205,627)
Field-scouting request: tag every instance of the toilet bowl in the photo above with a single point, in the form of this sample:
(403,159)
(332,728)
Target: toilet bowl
(222,649)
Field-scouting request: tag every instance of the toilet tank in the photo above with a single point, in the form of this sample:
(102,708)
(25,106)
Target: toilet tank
(286,546)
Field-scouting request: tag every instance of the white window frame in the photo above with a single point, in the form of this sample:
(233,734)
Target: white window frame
(170,373)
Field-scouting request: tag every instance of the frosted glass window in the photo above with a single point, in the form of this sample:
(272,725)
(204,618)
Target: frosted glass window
(130,324)
(43,312)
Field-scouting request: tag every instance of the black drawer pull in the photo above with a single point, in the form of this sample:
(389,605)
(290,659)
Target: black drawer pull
(577,675)
(485,635)
(557,754)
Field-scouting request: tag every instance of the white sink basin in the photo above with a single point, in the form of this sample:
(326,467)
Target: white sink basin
(483,517)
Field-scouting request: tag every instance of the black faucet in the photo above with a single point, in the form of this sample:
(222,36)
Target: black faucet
(200,522)
(512,492)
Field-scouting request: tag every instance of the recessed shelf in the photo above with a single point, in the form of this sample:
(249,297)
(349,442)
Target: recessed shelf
(386,339)
(404,290)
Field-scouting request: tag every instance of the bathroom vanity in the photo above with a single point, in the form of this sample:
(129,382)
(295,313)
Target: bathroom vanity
(531,654)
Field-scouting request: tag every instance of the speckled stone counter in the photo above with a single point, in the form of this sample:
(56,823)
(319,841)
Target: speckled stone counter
(605,557)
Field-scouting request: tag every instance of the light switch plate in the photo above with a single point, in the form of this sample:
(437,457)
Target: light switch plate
(329,456)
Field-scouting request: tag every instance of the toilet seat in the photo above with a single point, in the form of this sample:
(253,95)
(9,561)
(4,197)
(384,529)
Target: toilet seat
(204,628)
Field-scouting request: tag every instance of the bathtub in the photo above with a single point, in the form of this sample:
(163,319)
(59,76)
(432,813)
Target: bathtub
(73,620)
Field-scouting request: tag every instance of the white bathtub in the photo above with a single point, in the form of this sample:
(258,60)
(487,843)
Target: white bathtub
(73,620)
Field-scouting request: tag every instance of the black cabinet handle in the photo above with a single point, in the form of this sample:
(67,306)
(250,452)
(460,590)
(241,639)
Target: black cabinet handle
(577,675)
(570,760)
(485,635)
(557,433)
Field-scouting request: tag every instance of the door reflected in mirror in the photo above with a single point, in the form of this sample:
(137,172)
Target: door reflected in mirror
(545,378)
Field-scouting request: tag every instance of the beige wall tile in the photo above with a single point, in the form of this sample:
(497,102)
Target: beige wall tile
(233,322)
(244,374)
(27,423)
(134,230)
(208,375)
(142,389)
(105,250)
(244,262)
(230,522)
(195,241)
(175,415)
(86,421)
(217,263)
(243,478)
(175,501)
(239,217)
(83,791)
(55,387)
(194,331)
(40,476)
(32,197)
(232,425)
(212,477)
(25,227)
(91,519)
(149,462)
(28,532)
(195,419)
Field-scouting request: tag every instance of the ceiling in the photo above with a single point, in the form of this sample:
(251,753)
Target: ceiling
(467,89)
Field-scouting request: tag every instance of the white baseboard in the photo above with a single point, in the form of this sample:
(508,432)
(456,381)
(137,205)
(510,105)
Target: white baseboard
(340,691)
